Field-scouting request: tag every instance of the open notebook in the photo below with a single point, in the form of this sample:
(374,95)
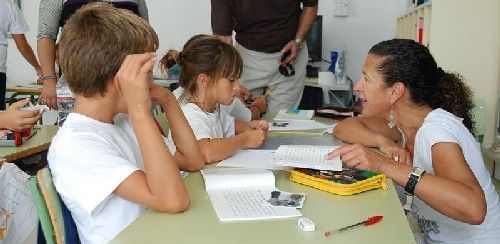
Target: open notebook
(241,194)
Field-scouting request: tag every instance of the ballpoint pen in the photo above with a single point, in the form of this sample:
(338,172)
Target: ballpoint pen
(370,221)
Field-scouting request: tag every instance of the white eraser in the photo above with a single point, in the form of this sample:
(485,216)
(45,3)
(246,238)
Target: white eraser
(306,224)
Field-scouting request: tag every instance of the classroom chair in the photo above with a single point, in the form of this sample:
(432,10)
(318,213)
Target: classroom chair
(56,222)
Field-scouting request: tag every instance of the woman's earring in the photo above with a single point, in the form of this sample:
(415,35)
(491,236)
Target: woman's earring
(392,121)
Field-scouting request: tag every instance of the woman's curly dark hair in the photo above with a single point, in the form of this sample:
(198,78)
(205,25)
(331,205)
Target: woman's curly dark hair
(412,64)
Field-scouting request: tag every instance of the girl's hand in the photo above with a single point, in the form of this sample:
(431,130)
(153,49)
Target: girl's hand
(358,156)
(259,124)
(254,138)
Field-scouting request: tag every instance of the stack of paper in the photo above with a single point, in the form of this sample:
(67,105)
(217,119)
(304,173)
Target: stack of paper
(241,194)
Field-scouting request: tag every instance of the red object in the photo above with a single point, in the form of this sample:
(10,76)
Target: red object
(370,221)
(420,30)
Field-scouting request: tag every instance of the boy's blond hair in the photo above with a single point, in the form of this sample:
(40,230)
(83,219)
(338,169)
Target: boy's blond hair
(94,43)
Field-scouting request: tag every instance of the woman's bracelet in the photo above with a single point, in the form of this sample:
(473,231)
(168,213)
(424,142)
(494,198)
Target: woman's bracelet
(48,77)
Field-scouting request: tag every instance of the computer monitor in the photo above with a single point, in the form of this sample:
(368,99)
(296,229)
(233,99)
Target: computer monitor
(314,40)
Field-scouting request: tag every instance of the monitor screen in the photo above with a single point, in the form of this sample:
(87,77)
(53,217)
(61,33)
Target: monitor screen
(314,41)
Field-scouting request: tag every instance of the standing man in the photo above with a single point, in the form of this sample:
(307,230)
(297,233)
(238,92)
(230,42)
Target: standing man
(265,31)
(12,21)
(53,14)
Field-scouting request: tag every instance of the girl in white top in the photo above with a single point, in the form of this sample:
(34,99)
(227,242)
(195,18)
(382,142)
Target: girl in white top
(210,69)
(405,95)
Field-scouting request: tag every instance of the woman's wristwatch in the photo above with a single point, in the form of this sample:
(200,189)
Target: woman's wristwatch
(413,179)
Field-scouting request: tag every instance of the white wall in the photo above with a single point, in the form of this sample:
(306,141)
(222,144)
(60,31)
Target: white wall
(369,22)
(19,71)
(468,42)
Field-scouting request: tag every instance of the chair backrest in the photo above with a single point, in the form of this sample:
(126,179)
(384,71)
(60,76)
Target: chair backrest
(55,219)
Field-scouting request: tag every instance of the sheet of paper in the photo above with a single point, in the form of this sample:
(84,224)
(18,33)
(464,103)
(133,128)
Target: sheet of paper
(298,125)
(256,159)
(221,178)
(306,156)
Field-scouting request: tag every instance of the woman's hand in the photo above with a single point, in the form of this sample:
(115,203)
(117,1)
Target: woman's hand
(358,156)
(397,153)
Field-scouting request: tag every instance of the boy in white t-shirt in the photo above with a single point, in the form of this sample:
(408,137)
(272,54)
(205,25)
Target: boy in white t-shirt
(109,160)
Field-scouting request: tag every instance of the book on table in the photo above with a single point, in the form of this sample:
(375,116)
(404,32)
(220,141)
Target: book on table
(294,114)
(239,194)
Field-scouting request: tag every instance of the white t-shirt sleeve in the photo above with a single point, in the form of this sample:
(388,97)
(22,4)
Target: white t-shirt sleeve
(18,24)
(431,134)
(104,169)
(198,121)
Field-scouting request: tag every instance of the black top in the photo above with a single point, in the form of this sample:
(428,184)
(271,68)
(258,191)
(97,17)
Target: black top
(260,25)
(71,6)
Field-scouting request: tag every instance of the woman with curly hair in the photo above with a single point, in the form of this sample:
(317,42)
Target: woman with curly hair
(406,97)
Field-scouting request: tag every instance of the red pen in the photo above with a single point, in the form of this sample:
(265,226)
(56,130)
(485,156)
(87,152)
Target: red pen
(370,221)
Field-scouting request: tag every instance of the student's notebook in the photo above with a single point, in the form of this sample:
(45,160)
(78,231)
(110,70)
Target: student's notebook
(294,114)
(241,194)
(306,156)
(349,181)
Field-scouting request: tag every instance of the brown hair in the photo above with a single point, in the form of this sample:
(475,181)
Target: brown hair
(412,64)
(203,54)
(94,43)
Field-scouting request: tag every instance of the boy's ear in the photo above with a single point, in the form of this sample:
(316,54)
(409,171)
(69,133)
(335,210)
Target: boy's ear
(114,83)
(202,80)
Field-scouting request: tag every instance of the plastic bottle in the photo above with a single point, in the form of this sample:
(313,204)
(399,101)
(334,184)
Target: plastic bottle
(65,100)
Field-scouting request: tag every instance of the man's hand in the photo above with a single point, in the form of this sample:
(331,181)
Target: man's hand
(134,79)
(49,95)
(260,103)
(294,49)
(13,118)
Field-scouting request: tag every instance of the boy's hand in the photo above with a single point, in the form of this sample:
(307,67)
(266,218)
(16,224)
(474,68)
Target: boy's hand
(254,138)
(134,79)
(13,118)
